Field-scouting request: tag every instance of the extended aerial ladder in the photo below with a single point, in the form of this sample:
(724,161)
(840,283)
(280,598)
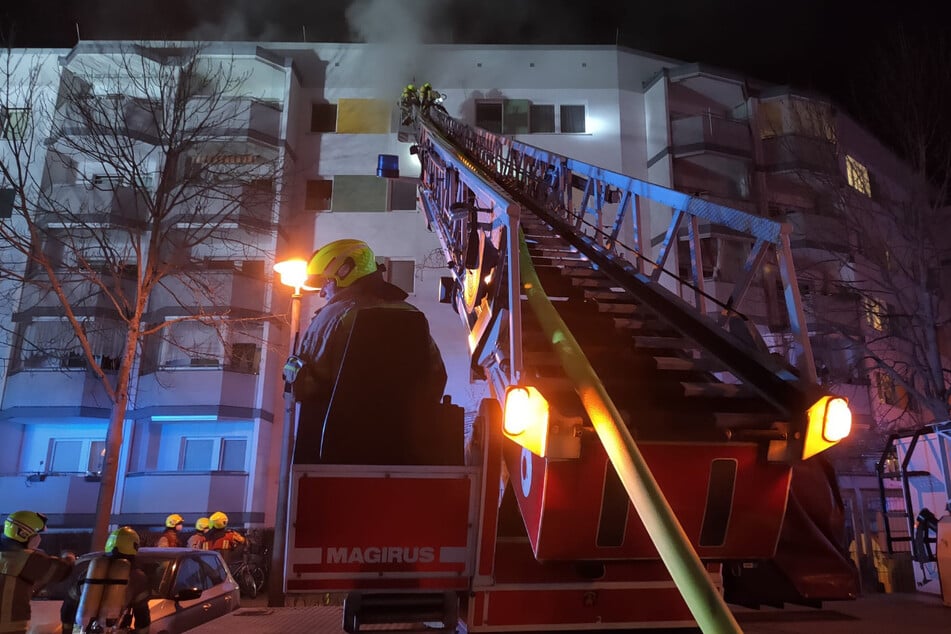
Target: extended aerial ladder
(676,449)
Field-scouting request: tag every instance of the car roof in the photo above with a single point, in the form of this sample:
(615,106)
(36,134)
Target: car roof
(154,552)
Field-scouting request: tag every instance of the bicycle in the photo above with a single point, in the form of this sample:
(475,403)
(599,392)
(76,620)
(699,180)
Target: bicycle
(251,573)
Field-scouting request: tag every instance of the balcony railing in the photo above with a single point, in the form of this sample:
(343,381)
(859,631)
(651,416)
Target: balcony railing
(797,152)
(709,132)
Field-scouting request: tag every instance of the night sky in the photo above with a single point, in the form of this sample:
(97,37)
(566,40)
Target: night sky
(827,45)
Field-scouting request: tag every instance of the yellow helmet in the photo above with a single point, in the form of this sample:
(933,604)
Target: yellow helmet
(344,261)
(218,520)
(203,524)
(427,86)
(174,520)
(20,526)
(124,539)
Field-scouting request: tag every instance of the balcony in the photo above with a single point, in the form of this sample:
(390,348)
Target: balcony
(794,152)
(259,121)
(710,133)
(191,493)
(68,498)
(94,203)
(135,117)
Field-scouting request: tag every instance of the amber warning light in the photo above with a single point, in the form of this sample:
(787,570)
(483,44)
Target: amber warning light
(526,418)
(830,421)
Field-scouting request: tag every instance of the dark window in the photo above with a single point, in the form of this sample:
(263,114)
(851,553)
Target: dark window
(323,117)
(572,119)
(245,357)
(233,453)
(14,122)
(542,119)
(7,197)
(402,195)
(489,116)
(319,193)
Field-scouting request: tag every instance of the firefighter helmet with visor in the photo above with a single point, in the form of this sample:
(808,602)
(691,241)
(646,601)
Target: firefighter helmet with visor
(21,526)
(124,540)
(343,261)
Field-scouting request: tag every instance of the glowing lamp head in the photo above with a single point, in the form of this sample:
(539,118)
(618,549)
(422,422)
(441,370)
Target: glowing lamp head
(293,273)
(525,418)
(830,421)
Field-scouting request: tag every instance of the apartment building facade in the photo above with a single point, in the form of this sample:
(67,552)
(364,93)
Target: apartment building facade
(202,429)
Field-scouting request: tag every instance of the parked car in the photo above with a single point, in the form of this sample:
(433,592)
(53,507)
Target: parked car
(189,587)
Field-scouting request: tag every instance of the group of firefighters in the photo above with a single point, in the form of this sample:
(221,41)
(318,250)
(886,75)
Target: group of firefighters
(113,588)
(422,100)
(211,533)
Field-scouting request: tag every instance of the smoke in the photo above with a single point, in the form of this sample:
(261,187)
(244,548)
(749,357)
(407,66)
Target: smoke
(409,22)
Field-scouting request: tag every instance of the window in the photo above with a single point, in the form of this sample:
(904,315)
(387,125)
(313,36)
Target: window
(323,117)
(189,575)
(196,454)
(359,193)
(214,454)
(47,344)
(402,195)
(7,196)
(319,194)
(76,455)
(97,456)
(233,454)
(364,116)
(489,116)
(191,344)
(14,122)
(888,392)
(515,116)
(401,273)
(572,119)
(857,176)
(65,455)
(245,357)
(875,313)
(542,118)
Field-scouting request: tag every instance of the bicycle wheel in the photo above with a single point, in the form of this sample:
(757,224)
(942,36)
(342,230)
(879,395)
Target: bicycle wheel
(246,583)
(259,578)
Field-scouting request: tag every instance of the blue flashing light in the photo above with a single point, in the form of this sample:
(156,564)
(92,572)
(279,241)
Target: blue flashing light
(388,166)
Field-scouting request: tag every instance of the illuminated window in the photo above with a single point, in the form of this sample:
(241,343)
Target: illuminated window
(888,392)
(875,313)
(857,175)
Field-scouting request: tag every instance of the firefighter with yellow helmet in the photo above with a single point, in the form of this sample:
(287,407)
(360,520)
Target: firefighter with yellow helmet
(348,277)
(114,593)
(171,536)
(199,541)
(227,541)
(24,569)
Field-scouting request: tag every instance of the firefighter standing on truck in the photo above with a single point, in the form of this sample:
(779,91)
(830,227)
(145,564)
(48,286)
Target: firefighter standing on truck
(171,536)
(114,593)
(24,569)
(227,541)
(347,275)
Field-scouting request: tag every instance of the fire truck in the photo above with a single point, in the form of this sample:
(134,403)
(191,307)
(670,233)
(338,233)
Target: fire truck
(642,457)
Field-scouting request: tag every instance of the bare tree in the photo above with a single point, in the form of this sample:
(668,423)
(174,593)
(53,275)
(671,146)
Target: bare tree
(876,294)
(148,177)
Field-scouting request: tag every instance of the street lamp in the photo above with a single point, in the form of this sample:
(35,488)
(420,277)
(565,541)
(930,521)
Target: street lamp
(294,274)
